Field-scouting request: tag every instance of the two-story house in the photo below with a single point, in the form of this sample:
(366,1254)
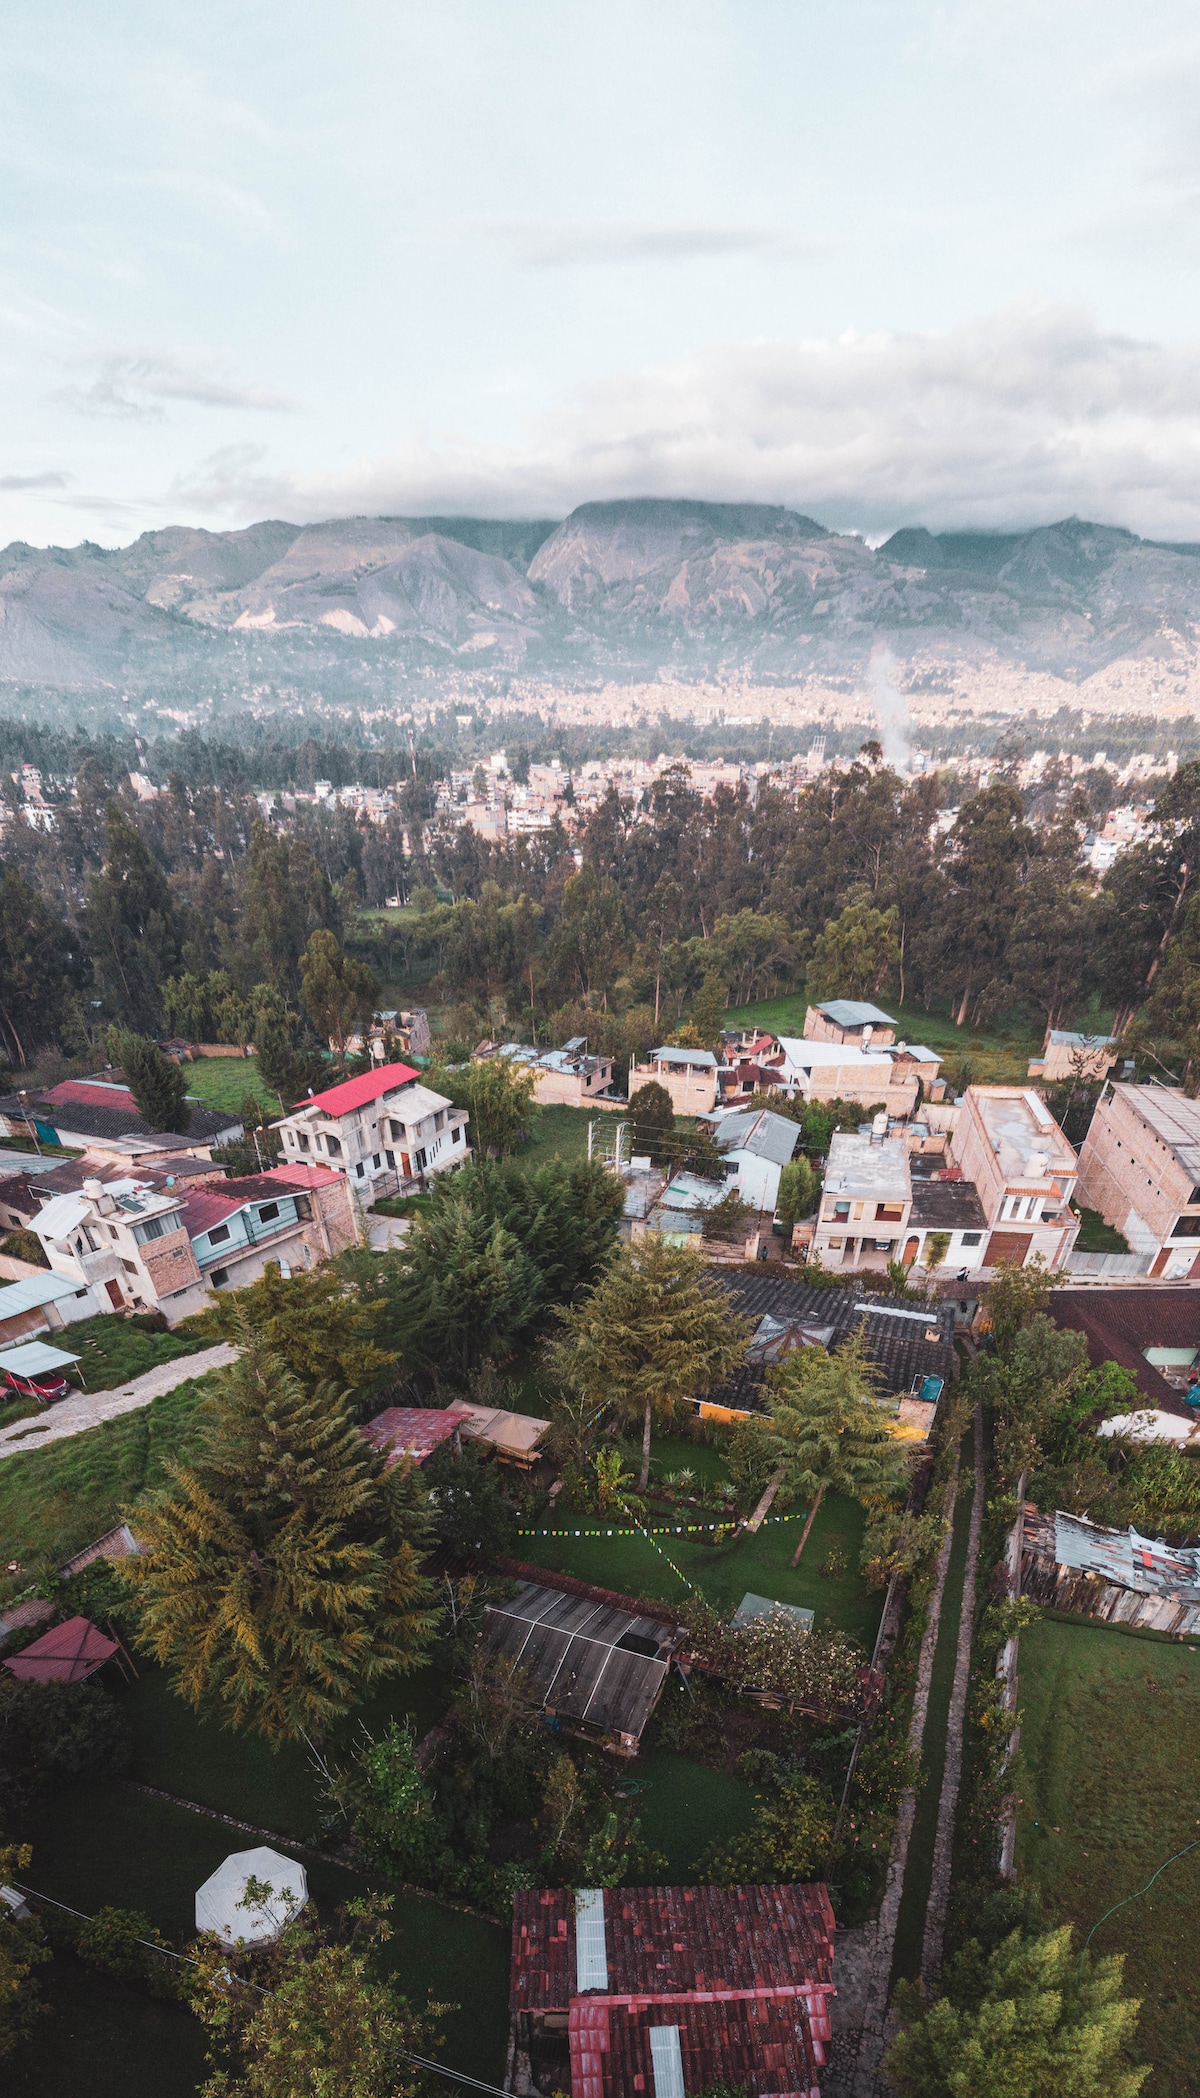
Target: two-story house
(1140,1167)
(865,1202)
(566,1077)
(381,1131)
(849,1020)
(1008,1143)
(688,1075)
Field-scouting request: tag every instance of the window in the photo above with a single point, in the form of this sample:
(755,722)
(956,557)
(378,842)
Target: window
(888,1212)
(835,1245)
(218,1277)
(303,1142)
(360,1169)
(972,1238)
(333,1146)
(218,1235)
(375,1160)
(457,1137)
(268,1212)
(419,1160)
(391,1159)
(1187,1227)
(153,1227)
(439,1118)
(841,1209)
(130,1266)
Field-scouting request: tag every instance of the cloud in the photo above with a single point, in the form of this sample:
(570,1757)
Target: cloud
(1020,418)
(19,483)
(132,385)
(564,247)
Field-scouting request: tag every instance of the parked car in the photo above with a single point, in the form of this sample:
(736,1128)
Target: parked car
(50,1387)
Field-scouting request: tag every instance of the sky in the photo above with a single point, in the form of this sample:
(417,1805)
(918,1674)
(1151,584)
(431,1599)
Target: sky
(886,263)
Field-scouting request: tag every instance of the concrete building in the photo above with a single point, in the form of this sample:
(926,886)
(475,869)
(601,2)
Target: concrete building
(849,1020)
(1068,1055)
(380,1131)
(946,1218)
(756,1146)
(566,1077)
(835,1071)
(100,1114)
(1140,1167)
(865,1203)
(1008,1143)
(409,1032)
(688,1075)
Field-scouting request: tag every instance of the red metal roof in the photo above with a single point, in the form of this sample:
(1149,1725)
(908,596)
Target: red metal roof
(356,1092)
(65,1654)
(76,1092)
(301,1175)
(208,1206)
(412,1431)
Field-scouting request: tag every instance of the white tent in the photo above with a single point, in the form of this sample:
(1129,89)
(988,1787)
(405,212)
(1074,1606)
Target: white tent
(221,1904)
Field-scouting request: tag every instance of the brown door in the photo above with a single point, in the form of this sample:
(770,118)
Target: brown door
(1160,1261)
(114,1296)
(910,1251)
(1008,1245)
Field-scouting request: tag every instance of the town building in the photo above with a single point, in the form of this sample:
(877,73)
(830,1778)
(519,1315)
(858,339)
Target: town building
(947,1229)
(668,1990)
(849,1020)
(566,1077)
(1153,1332)
(688,1075)
(594,1665)
(42,1303)
(382,1131)
(138,1247)
(755,1145)
(865,1202)
(836,1071)
(1140,1167)
(101,1115)
(1067,1055)
(408,1031)
(910,1347)
(1008,1143)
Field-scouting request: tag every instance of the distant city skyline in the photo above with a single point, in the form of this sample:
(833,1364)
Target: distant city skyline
(932,264)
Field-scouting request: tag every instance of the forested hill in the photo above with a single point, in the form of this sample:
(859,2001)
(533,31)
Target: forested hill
(623,589)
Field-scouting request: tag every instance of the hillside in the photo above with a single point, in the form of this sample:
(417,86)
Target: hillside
(623,589)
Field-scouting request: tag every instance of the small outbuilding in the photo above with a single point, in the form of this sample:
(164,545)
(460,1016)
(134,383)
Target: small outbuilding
(599,1670)
(67,1653)
(223,1908)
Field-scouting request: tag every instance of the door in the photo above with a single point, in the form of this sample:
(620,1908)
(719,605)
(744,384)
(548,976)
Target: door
(1008,1245)
(910,1251)
(114,1296)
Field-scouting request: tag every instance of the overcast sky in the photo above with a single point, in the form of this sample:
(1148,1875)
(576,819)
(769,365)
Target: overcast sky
(886,263)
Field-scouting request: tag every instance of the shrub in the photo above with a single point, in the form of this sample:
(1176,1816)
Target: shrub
(53,1732)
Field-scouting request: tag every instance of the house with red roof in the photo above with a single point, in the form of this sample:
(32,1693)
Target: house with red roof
(670,1990)
(384,1131)
(99,1114)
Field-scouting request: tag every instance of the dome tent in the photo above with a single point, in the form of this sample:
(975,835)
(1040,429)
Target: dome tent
(221,1905)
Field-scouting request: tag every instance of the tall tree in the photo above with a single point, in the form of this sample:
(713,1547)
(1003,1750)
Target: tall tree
(40,964)
(158,1085)
(279,1578)
(654,1333)
(322,1331)
(856,954)
(337,993)
(827,1433)
(498,1096)
(130,921)
(287,897)
(989,851)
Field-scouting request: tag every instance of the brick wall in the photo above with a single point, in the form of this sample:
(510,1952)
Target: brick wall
(170,1262)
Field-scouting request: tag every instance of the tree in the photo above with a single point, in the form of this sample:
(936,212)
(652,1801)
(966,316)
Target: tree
(130,921)
(472,1512)
(708,1010)
(653,1117)
(21,1950)
(40,965)
(1033,2020)
(1015,1295)
(279,1577)
(158,1085)
(797,1192)
(788,1840)
(830,1434)
(316,2016)
(286,898)
(654,1333)
(322,1332)
(855,955)
(498,1096)
(335,991)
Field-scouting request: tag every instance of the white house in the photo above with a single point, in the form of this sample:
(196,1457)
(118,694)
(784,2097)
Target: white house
(380,1131)
(756,1145)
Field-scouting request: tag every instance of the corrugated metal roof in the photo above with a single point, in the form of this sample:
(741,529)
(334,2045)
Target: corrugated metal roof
(357,1092)
(34,1359)
(32,1291)
(760,1133)
(850,1012)
(701,1059)
(594,1665)
(1172,1116)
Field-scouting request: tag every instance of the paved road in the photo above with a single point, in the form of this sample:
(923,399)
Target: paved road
(76,1415)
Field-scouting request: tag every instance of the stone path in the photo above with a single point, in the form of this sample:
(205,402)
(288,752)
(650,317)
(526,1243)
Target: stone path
(943,1846)
(75,1416)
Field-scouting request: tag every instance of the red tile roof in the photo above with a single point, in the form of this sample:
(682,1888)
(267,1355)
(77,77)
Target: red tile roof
(76,1092)
(412,1431)
(356,1092)
(1118,1323)
(302,1175)
(745,1974)
(66,1654)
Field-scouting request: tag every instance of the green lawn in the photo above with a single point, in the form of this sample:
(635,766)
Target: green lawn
(1096,1236)
(105,1843)
(562,1132)
(55,1500)
(1107,1777)
(113,1350)
(685,1807)
(997,1054)
(223,1082)
(760,1564)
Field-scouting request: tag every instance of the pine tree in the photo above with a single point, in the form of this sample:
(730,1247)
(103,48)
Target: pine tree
(158,1086)
(653,1117)
(826,1431)
(654,1333)
(280,1579)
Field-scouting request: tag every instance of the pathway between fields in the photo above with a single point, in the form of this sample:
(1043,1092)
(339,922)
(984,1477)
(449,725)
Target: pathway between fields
(75,1416)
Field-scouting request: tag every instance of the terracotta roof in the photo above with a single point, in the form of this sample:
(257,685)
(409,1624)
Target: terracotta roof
(1118,1323)
(299,1174)
(207,1206)
(411,1431)
(356,1092)
(66,1654)
(79,1092)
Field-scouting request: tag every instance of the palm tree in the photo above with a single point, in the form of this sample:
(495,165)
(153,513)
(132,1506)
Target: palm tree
(831,1434)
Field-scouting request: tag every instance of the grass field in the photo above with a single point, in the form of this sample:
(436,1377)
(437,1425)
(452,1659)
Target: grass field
(113,1350)
(1096,1236)
(1107,1777)
(223,1082)
(55,1500)
(996,1055)
(722,1575)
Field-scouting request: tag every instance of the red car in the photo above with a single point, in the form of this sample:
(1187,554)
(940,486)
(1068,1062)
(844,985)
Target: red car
(50,1387)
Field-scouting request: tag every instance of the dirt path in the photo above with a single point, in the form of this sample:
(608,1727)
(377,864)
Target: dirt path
(943,1848)
(75,1416)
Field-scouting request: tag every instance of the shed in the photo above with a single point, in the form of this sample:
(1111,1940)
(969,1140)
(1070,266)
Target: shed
(513,1436)
(755,1606)
(23,1304)
(67,1653)
(35,1359)
(412,1431)
(221,1904)
(597,1669)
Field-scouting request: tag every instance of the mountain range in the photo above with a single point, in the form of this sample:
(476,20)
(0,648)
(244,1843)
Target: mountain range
(719,591)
